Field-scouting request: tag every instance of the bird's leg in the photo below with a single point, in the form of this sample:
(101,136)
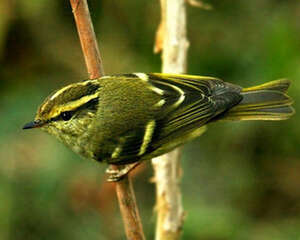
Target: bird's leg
(115,175)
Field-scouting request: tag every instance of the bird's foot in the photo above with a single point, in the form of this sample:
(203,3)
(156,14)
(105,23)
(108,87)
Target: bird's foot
(116,174)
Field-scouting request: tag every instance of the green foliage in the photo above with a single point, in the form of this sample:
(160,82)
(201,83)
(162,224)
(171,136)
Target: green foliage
(240,181)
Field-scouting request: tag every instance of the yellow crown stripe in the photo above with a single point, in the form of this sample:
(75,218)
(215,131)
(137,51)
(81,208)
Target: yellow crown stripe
(60,91)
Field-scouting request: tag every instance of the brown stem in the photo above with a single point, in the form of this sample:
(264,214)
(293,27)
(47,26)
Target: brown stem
(125,192)
(128,206)
(87,38)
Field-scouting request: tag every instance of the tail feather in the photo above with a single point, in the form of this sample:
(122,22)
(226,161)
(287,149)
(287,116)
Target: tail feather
(280,85)
(268,101)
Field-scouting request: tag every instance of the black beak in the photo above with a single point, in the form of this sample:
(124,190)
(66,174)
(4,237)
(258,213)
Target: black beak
(34,124)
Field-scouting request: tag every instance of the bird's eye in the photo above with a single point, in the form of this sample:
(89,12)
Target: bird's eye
(66,116)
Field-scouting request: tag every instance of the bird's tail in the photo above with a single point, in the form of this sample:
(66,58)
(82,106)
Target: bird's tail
(268,101)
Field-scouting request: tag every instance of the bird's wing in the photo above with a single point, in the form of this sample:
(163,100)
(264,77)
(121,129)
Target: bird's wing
(188,100)
(186,103)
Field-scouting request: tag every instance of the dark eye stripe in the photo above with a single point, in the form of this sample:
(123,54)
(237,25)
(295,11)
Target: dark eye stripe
(90,105)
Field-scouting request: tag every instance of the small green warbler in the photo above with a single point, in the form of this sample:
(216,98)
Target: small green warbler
(125,119)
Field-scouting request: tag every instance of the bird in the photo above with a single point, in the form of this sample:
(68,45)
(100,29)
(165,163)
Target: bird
(125,119)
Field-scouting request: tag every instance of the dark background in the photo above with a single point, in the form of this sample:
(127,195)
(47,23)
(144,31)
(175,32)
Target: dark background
(241,181)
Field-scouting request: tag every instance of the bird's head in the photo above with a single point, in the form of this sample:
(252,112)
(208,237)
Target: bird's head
(68,112)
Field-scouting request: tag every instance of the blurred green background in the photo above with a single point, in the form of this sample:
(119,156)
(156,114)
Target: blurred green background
(241,181)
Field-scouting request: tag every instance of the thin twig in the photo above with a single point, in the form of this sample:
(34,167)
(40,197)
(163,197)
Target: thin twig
(124,189)
(128,206)
(88,39)
(172,33)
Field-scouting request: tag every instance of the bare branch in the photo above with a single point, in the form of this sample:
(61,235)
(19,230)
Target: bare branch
(167,168)
(125,193)
(128,206)
(87,38)
(170,214)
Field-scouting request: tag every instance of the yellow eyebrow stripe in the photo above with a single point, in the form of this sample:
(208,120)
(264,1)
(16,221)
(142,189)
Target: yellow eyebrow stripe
(59,92)
(71,106)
